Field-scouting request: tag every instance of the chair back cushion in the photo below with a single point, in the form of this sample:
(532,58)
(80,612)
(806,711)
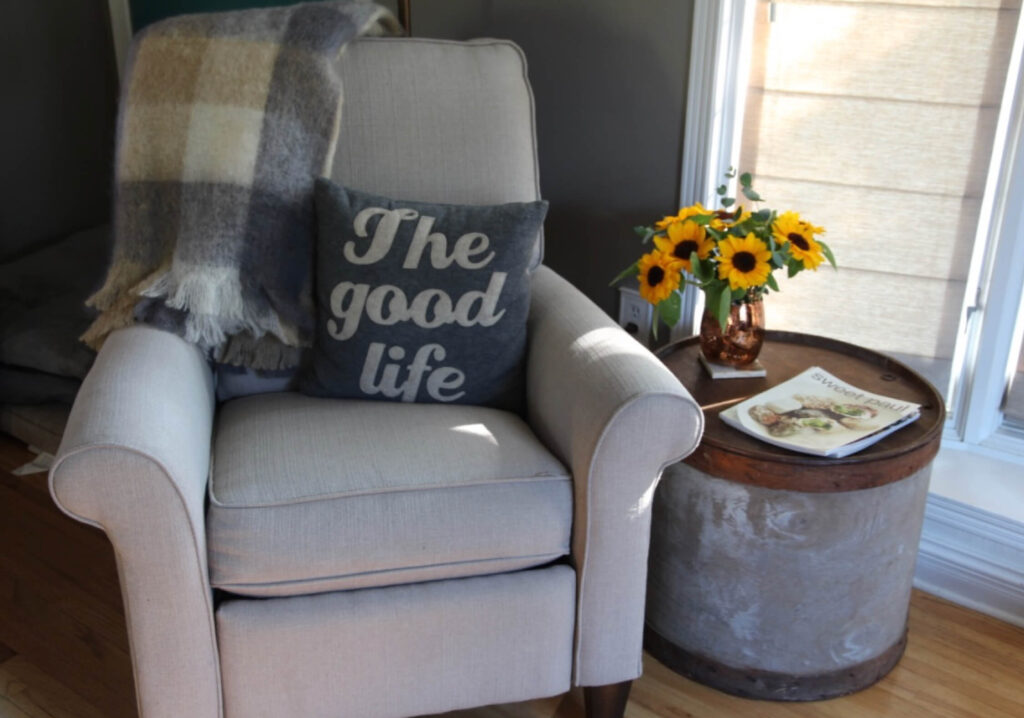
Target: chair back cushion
(429,121)
(437,121)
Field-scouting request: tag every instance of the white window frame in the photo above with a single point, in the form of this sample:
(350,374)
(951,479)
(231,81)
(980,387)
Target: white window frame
(722,39)
(992,326)
(121,31)
(992,321)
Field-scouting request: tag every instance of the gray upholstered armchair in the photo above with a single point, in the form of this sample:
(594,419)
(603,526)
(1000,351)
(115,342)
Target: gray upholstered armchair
(282,555)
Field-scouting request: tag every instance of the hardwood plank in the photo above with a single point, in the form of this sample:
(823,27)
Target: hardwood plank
(39,695)
(68,634)
(60,600)
(33,528)
(9,710)
(13,454)
(959,664)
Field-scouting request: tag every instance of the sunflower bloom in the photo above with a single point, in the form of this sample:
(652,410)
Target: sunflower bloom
(658,275)
(744,262)
(799,235)
(684,238)
(683,214)
(722,219)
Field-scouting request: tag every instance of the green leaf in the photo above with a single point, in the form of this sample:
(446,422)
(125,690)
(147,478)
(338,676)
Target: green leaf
(630,270)
(795,267)
(762,215)
(642,231)
(731,172)
(722,311)
(728,201)
(779,259)
(773,283)
(710,269)
(828,254)
(711,295)
(751,194)
(722,189)
(738,294)
(716,233)
(746,179)
(670,308)
(701,219)
(696,269)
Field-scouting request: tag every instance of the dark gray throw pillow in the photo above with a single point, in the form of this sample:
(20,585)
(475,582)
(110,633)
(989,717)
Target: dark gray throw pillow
(421,302)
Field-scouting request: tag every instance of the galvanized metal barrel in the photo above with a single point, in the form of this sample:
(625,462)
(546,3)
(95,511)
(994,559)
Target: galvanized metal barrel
(784,576)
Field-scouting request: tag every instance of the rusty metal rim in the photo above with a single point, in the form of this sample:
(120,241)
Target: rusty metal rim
(801,472)
(770,685)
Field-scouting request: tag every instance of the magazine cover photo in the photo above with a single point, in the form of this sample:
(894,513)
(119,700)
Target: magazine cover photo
(817,413)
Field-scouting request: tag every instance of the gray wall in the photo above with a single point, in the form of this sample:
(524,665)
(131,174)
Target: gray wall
(610,85)
(58,81)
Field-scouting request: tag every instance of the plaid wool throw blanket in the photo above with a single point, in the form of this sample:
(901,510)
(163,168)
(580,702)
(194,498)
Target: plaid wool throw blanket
(225,121)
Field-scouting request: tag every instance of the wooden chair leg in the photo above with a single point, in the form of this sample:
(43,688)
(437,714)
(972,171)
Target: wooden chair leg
(606,701)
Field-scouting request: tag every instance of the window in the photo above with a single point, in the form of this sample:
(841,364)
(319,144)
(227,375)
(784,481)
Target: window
(1013,408)
(893,125)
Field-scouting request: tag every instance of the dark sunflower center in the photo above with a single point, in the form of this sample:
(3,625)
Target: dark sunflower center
(655,275)
(744,261)
(685,248)
(798,240)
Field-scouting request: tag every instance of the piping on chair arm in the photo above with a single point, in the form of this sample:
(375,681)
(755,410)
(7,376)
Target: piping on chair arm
(134,462)
(616,416)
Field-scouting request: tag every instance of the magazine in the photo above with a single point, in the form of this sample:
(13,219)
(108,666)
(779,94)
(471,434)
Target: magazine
(816,413)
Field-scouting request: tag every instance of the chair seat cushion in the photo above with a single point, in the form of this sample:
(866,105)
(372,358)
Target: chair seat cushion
(311,495)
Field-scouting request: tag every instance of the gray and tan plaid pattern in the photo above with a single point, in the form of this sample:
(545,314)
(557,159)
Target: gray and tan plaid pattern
(225,121)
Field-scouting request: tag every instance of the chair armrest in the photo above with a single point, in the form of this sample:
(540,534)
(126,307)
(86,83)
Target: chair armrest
(134,462)
(616,416)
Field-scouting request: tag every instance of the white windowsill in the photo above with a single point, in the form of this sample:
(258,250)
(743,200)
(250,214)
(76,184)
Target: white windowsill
(986,480)
(972,540)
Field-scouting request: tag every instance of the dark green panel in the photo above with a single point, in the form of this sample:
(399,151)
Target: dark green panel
(145,12)
(58,80)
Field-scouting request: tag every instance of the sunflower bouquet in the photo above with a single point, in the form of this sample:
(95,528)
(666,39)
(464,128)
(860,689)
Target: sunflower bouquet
(729,253)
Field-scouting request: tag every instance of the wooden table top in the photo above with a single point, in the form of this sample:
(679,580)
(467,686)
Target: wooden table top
(730,454)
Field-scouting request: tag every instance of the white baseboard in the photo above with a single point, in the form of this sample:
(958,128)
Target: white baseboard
(972,557)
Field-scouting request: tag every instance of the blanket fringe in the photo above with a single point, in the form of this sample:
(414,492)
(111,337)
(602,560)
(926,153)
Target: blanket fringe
(122,276)
(265,353)
(216,308)
(118,315)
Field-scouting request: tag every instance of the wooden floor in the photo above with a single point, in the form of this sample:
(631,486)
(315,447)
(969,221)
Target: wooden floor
(63,652)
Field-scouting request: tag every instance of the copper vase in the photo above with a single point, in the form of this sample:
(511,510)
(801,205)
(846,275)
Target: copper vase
(741,341)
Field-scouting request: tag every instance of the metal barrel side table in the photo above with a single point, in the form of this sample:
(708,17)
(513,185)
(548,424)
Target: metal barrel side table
(779,575)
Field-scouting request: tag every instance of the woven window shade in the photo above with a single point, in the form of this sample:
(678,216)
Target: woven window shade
(876,121)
